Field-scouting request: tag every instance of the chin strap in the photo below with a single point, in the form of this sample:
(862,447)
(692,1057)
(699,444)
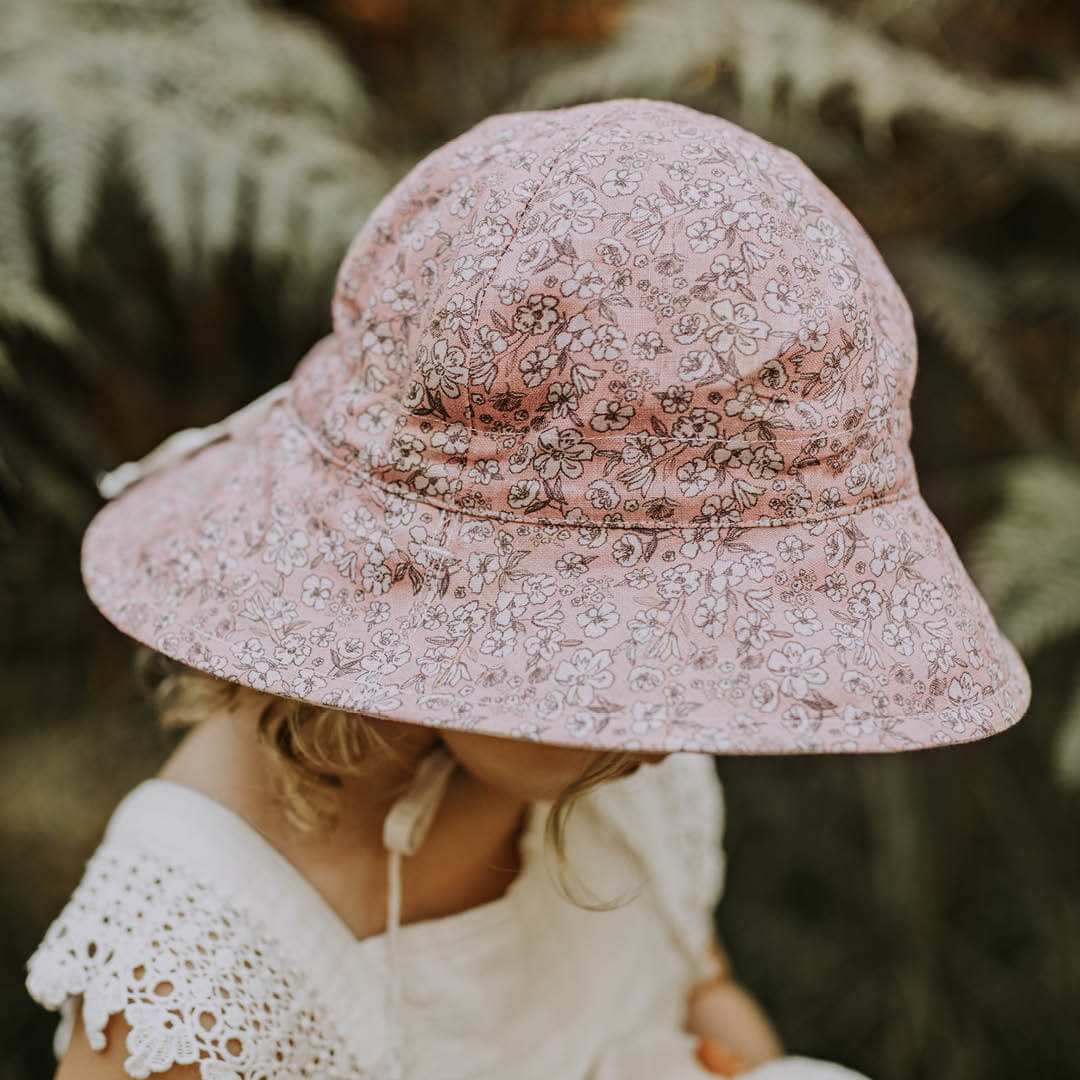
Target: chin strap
(404,830)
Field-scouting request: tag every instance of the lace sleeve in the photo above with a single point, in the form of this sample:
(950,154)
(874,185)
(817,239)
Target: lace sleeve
(693,808)
(671,817)
(197,981)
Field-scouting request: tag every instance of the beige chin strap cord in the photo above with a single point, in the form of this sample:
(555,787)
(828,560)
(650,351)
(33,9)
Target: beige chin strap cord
(404,830)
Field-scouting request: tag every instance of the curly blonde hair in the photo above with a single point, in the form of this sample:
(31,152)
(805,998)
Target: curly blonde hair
(310,747)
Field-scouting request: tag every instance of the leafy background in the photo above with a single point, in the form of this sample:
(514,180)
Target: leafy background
(178,180)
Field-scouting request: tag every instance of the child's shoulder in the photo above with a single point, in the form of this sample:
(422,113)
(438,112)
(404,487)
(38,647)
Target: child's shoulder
(191,928)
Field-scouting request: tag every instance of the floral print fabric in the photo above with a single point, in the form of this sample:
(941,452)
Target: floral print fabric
(609,446)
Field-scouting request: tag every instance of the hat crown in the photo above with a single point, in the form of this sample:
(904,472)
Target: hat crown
(625,313)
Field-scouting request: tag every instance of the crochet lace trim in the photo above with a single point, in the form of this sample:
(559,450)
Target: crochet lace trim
(197,980)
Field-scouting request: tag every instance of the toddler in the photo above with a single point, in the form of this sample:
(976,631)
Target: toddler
(603,470)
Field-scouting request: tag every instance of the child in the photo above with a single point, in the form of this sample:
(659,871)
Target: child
(605,460)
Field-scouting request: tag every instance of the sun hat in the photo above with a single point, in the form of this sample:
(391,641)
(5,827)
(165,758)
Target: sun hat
(608,447)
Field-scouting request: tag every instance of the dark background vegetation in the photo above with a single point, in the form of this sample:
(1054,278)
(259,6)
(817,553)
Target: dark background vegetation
(178,179)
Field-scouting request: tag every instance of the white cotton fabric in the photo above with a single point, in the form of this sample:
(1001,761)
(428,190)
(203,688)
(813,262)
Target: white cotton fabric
(218,952)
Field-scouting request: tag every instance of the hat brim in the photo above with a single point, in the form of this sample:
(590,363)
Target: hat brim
(260,562)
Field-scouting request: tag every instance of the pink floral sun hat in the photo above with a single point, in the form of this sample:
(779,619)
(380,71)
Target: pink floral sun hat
(608,447)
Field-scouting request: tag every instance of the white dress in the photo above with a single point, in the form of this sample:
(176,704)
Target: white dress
(216,950)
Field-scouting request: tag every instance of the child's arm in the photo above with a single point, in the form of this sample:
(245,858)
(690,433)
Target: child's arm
(735,1032)
(736,1037)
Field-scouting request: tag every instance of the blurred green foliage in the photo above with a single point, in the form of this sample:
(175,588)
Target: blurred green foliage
(178,180)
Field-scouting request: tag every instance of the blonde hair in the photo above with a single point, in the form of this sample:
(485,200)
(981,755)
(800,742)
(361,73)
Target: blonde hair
(310,747)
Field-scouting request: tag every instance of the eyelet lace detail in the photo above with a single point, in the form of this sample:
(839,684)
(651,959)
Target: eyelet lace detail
(197,980)
(691,801)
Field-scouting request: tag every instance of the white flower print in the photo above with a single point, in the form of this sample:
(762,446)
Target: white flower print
(510,607)
(742,215)
(583,674)
(804,621)
(898,636)
(499,642)
(865,601)
(293,649)
(704,235)
(813,334)
(453,439)
(261,676)
(306,682)
(457,315)
(401,297)
(857,721)
(563,452)
(585,283)
(579,334)
(799,668)
(493,232)
(792,549)
(782,297)
(679,581)
(596,621)
(646,717)
(710,615)
(726,574)
(766,695)
(286,549)
(537,365)
(248,651)
(967,706)
(484,471)
(736,326)
(375,578)
(618,182)
(317,591)
(648,345)
(627,549)
(759,565)
(929,597)
(695,476)
(753,629)
(729,273)
(483,566)
(609,343)
(575,211)
(939,653)
(610,415)
(612,252)
(886,557)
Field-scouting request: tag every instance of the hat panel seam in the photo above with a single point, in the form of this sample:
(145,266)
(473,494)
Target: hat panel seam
(561,156)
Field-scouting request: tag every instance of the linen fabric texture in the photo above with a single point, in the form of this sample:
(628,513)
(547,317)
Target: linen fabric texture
(224,956)
(608,447)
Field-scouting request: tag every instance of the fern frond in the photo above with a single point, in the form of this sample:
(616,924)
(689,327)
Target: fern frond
(808,52)
(1027,557)
(1045,612)
(16,247)
(69,148)
(161,154)
(25,306)
(9,381)
(196,91)
(962,302)
(1067,742)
